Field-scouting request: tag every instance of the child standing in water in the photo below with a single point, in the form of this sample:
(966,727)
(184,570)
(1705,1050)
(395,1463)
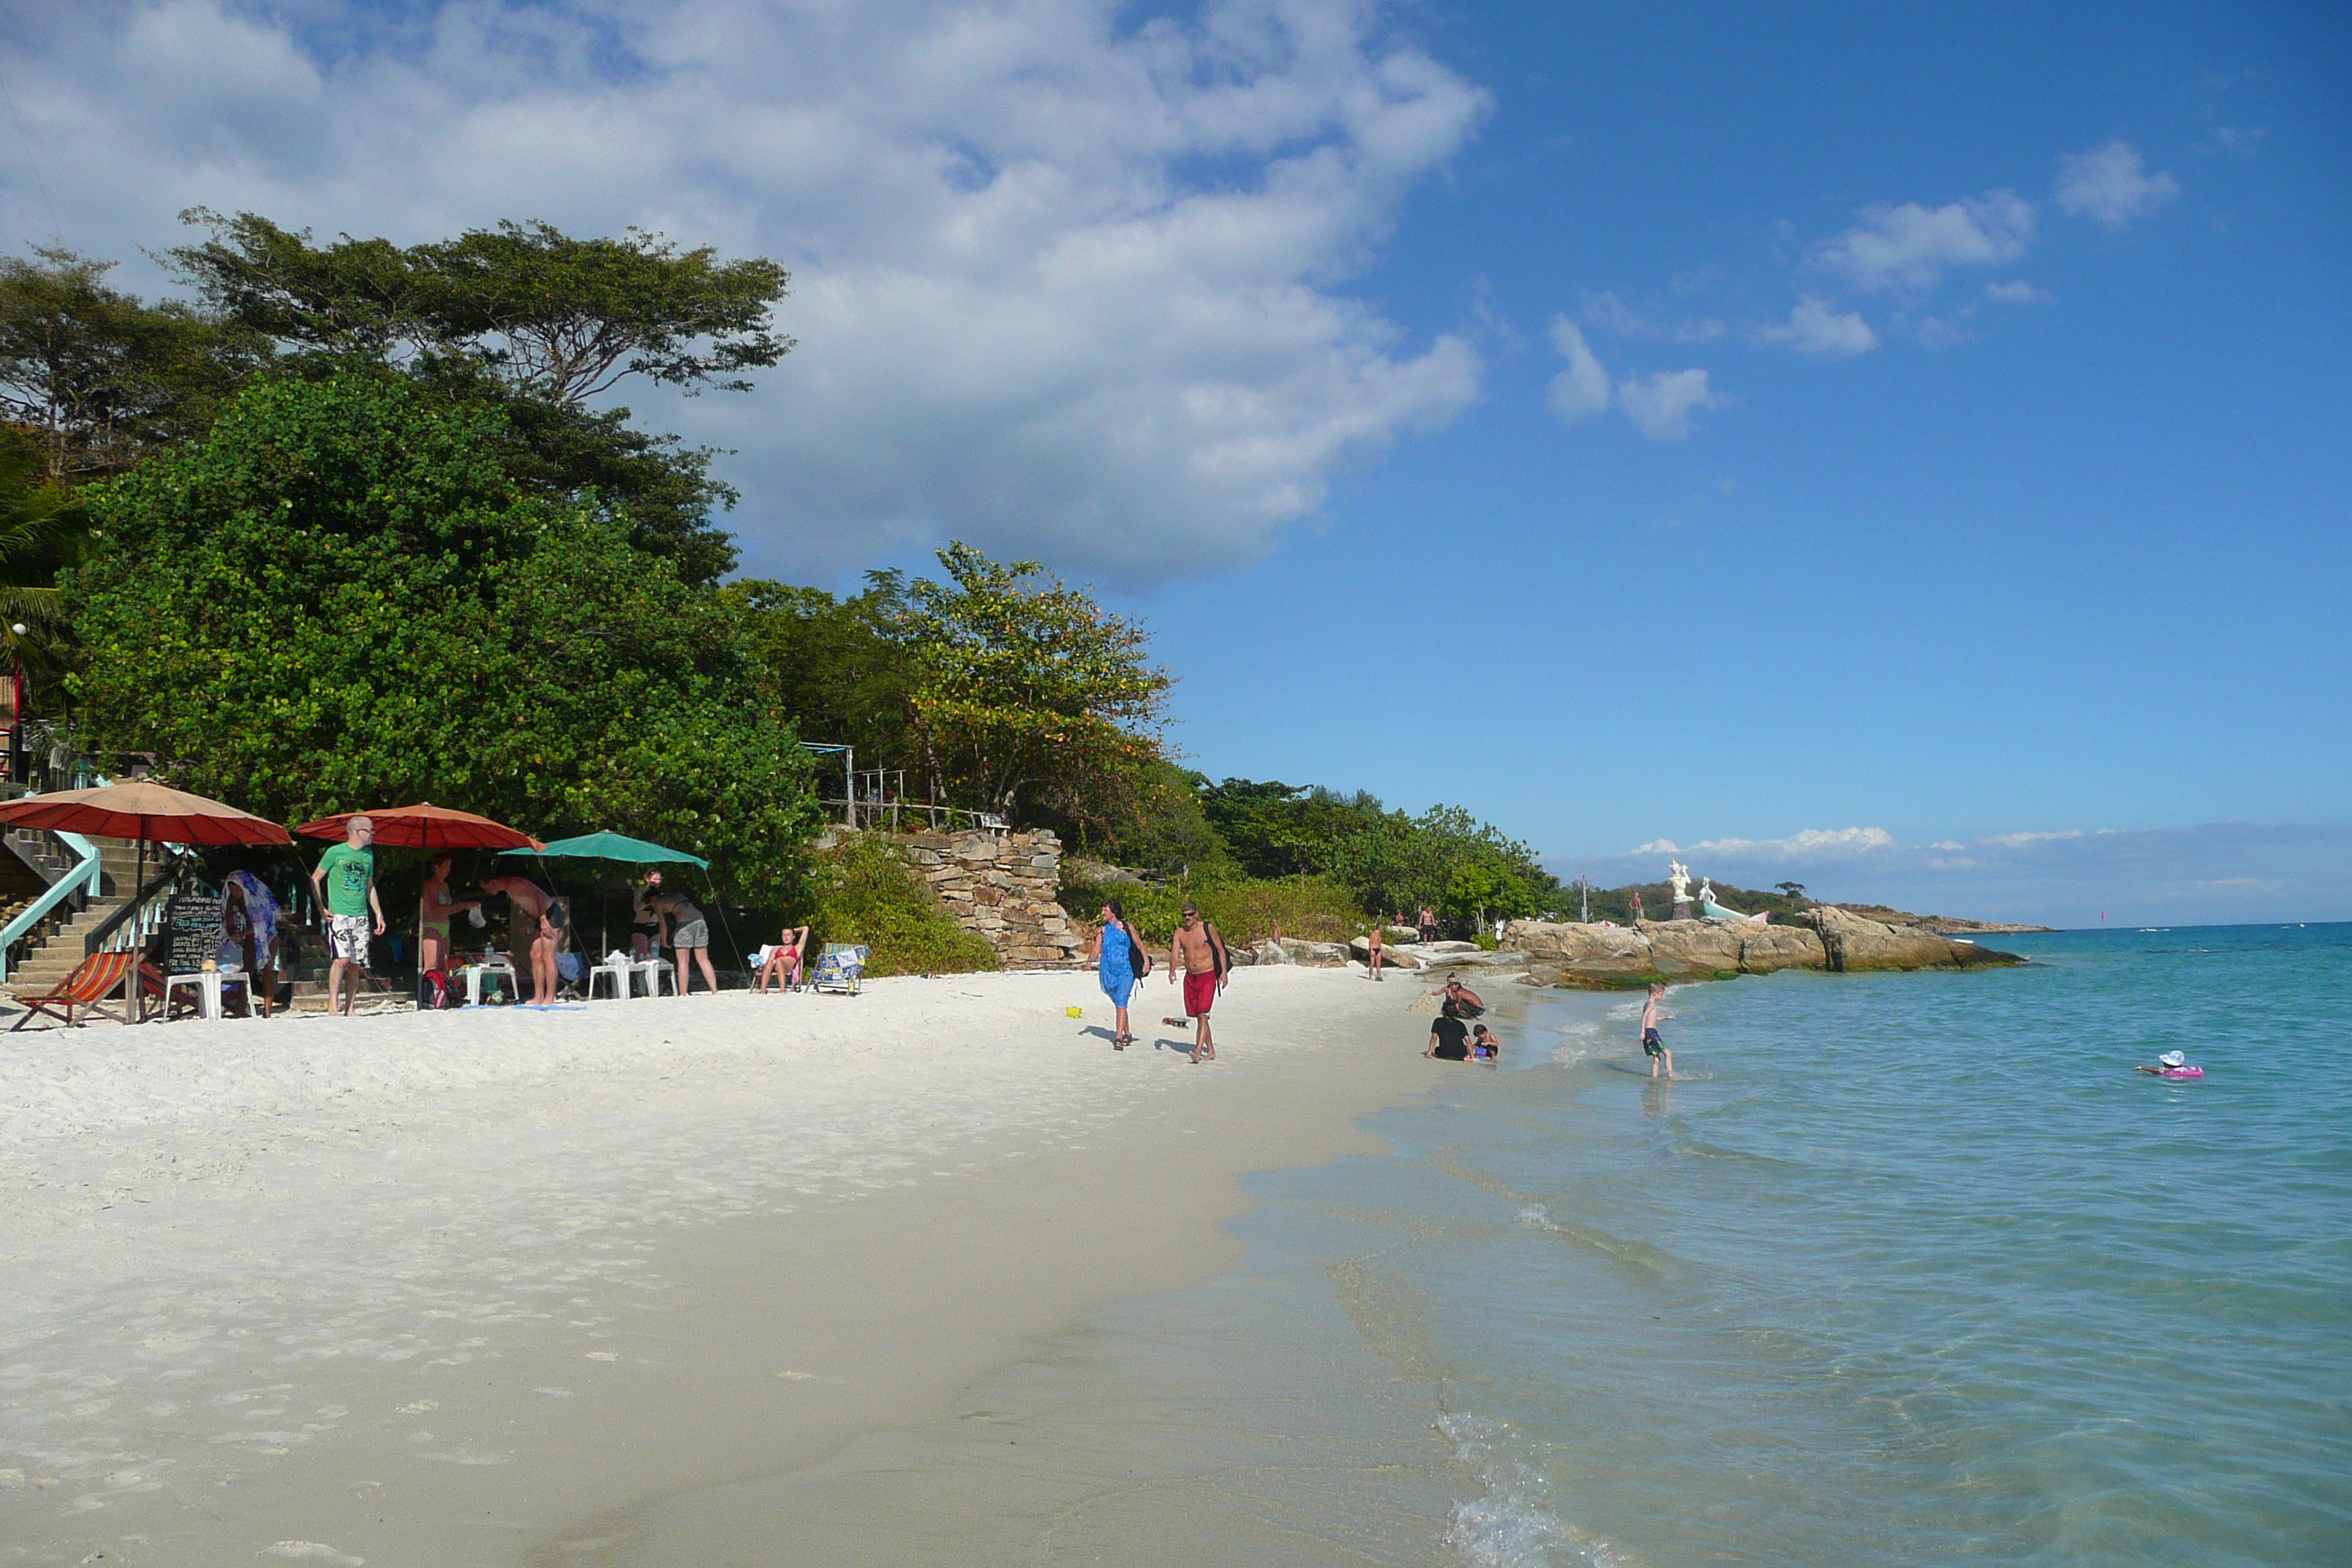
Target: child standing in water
(1652,1046)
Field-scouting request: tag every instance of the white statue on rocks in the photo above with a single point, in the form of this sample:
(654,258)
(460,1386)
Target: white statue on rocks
(1680,878)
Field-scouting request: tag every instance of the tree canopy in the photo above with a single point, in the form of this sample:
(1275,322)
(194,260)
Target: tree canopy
(97,377)
(556,317)
(340,598)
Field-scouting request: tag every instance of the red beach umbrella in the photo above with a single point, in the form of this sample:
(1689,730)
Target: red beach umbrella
(427,826)
(144,810)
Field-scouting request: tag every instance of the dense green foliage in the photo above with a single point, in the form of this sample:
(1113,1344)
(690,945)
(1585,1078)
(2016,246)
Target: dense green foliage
(534,322)
(841,664)
(340,598)
(1389,860)
(1029,692)
(43,529)
(998,689)
(863,892)
(1245,909)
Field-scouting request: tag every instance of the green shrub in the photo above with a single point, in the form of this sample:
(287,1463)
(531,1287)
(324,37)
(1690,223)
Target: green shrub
(1244,908)
(864,893)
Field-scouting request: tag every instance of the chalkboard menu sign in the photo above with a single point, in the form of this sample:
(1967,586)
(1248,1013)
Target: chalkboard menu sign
(197,926)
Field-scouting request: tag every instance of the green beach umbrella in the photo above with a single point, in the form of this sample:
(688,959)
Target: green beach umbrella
(614,849)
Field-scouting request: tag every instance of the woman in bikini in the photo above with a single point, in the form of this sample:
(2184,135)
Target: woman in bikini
(434,910)
(784,963)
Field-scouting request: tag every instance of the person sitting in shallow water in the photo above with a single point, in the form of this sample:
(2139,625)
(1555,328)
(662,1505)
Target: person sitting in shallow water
(1484,1047)
(1449,1036)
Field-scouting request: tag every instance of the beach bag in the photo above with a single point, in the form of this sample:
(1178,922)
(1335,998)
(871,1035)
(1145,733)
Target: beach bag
(1138,960)
(439,993)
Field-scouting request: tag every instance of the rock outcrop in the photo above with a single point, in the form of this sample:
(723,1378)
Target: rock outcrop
(1853,944)
(1831,939)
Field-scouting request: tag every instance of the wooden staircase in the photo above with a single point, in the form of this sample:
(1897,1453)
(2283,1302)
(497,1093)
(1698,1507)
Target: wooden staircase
(54,956)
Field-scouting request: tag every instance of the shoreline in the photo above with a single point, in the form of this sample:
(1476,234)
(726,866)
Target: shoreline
(556,1285)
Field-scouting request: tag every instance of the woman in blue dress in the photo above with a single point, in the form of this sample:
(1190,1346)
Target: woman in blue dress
(1115,944)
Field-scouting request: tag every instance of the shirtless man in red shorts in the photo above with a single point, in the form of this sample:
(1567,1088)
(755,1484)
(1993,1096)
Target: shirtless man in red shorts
(1198,953)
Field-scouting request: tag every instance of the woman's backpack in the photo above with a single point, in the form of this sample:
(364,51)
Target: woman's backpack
(1138,958)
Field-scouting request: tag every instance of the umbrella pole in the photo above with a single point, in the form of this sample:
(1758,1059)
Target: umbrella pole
(138,885)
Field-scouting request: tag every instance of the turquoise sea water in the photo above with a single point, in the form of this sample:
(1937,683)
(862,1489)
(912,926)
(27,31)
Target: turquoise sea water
(1909,1268)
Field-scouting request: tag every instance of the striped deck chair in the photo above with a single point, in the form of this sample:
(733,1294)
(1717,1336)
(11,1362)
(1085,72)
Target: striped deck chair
(90,987)
(840,967)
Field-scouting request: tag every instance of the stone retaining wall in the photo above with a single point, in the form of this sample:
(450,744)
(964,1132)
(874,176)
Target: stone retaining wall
(1001,886)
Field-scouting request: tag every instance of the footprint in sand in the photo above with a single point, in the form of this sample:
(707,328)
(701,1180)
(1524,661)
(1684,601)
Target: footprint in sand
(312,1551)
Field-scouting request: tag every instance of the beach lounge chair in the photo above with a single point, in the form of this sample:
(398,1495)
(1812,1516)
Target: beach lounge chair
(839,968)
(95,980)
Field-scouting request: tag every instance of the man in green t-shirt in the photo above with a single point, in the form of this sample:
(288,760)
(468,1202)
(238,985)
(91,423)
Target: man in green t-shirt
(344,884)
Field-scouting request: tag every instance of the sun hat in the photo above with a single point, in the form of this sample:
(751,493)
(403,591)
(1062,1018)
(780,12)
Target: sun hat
(2173,1058)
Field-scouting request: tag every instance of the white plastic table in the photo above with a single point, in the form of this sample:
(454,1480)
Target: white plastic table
(653,969)
(619,970)
(208,985)
(474,974)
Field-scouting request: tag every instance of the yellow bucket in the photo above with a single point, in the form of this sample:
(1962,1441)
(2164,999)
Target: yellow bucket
(1076,1012)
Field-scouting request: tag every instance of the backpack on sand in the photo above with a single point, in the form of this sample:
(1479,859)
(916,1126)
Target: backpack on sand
(439,993)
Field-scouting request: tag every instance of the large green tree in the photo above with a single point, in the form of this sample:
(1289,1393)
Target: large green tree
(1028,694)
(341,597)
(536,322)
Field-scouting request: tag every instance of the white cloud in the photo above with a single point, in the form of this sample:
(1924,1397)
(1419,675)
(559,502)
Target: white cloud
(1660,404)
(1911,245)
(1583,387)
(1815,329)
(2017,291)
(2109,185)
(1810,841)
(1658,847)
(1065,281)
(2019,840)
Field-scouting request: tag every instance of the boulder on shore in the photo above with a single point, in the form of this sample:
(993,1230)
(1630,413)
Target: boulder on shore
(1852,944)
(1831,939)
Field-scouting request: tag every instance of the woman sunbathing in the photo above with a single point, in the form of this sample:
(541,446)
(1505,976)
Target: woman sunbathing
(784,964)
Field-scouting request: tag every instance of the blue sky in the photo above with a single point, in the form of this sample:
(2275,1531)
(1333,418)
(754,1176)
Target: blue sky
(1888,444)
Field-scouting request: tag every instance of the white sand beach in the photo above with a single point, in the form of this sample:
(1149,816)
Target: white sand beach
(469,1288)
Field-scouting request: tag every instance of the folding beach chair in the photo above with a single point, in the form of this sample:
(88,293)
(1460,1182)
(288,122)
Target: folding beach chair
(839,968)
(94,980)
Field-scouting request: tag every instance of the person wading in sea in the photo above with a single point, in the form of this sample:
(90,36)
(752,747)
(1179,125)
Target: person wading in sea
(1652,1046)
(1199,951)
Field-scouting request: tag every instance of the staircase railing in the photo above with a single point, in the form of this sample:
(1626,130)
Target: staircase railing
(82,881)
(132,927)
